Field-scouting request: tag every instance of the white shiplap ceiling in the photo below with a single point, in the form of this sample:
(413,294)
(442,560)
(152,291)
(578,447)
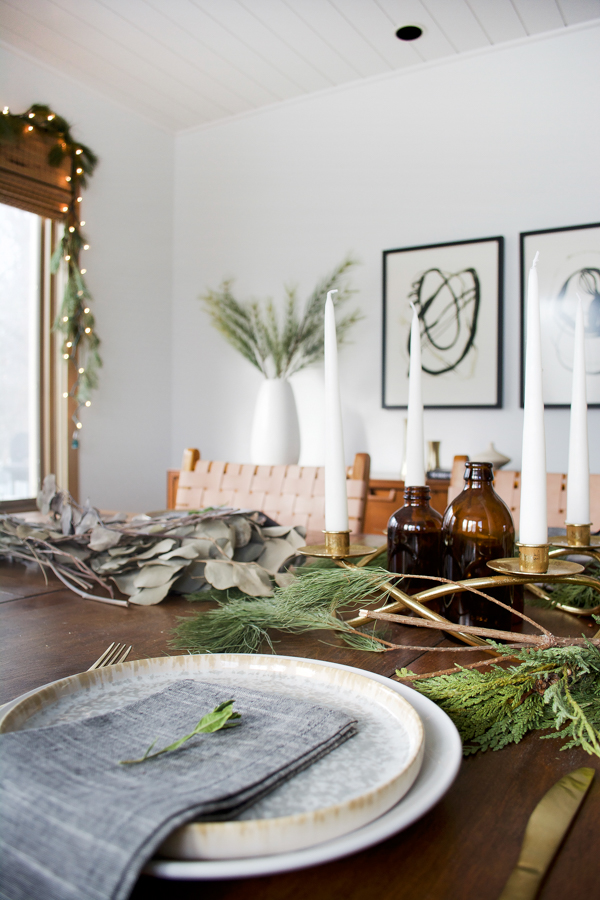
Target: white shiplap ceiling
(184,63)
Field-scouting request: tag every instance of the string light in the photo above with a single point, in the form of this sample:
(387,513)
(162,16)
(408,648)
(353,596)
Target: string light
(86,246)
(83,271)
(79,171)
(65,209)
(65,318)
(6,110)
(69,343)
(88,330)
(50,117)
(65,355)
(79,425)
(68,178)
(67,257)
(78,151)
(32,115)
(82,224)
(88,402)
(81,371)
(79,199)
(30,128)
(71,229)
(65,394)
(86,310)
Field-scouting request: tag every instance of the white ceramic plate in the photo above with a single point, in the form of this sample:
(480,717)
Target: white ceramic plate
(441,763)
(363,779)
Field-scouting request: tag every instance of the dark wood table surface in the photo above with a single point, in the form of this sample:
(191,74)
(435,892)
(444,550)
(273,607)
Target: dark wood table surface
(463,849)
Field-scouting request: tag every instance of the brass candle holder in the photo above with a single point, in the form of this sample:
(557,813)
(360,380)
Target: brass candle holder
(337,546)
(534,559)
(578,539)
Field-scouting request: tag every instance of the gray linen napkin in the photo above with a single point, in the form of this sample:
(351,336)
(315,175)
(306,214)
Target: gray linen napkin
(75,824)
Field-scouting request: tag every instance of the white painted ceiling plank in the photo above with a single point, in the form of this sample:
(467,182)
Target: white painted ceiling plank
(433,44)
(86,37)
(576,11)
(244,61)
(498,19)
(247,27)
(370,20)
(108,83)
(539,15)
(458,24)
(302,38)
(341,34)
(109,34)
(180,54)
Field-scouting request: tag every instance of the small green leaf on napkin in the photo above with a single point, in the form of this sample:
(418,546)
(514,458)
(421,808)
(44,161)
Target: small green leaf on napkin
(219,718)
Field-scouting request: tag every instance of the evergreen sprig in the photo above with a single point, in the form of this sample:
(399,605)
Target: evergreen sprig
(309,603)
(280,349)
(575,595)
(556,688)
(75,320)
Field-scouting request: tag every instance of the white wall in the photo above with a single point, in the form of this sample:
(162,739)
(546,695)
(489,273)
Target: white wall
(489,144)
(125,441)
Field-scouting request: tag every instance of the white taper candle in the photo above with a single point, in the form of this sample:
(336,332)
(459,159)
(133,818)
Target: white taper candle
(336,497)
(415,441)
(578,480)
(534,517)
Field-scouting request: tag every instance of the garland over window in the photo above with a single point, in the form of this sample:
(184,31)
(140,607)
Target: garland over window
(56,193)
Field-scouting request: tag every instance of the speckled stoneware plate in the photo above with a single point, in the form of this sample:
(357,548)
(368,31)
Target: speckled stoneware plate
(353,785)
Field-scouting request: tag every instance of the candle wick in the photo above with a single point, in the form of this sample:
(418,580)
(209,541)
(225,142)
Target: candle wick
(329,293)
(535,259)
(413,307)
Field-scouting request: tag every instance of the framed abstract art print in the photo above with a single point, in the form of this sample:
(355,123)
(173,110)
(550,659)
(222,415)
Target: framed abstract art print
(568,267)
(456,289)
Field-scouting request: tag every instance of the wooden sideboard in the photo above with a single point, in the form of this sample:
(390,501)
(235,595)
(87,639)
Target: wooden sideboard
(385,497)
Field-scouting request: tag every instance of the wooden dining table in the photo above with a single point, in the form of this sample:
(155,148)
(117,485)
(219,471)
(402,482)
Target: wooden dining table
(462,849)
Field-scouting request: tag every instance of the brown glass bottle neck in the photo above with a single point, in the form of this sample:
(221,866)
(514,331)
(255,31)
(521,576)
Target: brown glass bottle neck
(416,495)
(478,474)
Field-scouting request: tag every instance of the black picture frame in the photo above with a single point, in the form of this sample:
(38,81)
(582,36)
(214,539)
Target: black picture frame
(468,275)
(560,250)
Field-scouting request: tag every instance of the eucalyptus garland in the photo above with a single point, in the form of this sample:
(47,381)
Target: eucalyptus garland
(75,320)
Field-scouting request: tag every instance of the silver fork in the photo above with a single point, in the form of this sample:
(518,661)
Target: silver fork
(116,653)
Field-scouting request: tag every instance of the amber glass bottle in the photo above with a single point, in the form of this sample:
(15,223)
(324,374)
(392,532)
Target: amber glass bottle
(477,527)
(415,539)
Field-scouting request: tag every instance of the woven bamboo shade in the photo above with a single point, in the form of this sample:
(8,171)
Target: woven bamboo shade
(28,181)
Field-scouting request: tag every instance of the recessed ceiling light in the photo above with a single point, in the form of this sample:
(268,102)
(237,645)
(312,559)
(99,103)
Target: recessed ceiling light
(409,32)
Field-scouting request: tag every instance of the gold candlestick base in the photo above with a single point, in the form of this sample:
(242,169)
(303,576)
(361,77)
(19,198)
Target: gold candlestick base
(578,537)
(337,546)
(534,559)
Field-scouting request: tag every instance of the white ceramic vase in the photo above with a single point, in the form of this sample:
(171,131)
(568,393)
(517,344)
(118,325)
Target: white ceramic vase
(275,437)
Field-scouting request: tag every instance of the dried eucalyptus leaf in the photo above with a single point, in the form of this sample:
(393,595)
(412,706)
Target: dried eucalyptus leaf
(125,582)
(185,552)
(276,531)
(182,531)
(220,574)
(249,553)
(276,553)
(150,596)
(90,520)
(296,539)
(202,546)
(215,529)
(242,530)
(103,538)
(123,551)
(46,494)
(162,547)
(154,576)
(221,546)
(24,531)
(75,550)
(253,580)
(191,579)
(65,519)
